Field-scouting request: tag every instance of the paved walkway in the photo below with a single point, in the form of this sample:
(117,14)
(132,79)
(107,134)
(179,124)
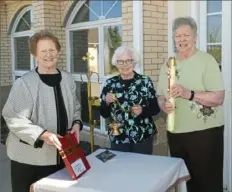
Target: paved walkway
(5,185)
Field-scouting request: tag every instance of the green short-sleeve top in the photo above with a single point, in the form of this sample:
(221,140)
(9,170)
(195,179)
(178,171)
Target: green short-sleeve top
(199,73)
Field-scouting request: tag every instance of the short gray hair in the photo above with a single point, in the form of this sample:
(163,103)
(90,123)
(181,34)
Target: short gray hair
(185,21)
(123,49)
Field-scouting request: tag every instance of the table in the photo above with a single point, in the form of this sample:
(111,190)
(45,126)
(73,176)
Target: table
(126,172)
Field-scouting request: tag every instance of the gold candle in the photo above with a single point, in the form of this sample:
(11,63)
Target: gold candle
(171,82)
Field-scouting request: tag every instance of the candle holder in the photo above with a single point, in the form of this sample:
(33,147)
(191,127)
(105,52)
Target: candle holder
(91,100)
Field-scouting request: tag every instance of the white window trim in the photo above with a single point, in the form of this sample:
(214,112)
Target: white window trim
(195,6)
(216,13)
(226,71)
(199,12)
(19,17)
(74,11)
(138,32)
(202,25)
(92,24)
(14,35)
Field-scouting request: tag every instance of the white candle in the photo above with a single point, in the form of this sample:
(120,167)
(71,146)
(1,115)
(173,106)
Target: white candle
(172,77)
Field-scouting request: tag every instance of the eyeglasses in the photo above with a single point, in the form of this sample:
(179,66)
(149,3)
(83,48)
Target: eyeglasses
(183,36)
(49,52)
(127,62)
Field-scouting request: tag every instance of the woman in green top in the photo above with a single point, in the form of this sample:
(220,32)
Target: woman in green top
(199,123)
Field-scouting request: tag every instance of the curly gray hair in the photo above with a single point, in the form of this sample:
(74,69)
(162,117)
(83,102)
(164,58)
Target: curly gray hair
(125,49)
(185,21)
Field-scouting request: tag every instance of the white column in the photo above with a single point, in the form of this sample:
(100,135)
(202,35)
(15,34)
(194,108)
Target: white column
(195,8)
(202,25)
(138,31)
(226,71)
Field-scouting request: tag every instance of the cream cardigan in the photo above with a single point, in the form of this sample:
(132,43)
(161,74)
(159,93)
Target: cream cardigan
(29,110)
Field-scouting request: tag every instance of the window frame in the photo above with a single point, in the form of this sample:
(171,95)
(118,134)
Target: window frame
(204,15)
(99,24)
(18,72)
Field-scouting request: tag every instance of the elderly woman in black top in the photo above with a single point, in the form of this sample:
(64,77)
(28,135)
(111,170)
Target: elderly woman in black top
(130,99)
(41,107)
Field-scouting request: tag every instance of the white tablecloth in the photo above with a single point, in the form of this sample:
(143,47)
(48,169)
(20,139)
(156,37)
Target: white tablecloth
(127,172)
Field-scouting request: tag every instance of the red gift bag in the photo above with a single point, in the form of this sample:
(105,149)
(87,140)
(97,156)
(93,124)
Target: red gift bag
(73,156)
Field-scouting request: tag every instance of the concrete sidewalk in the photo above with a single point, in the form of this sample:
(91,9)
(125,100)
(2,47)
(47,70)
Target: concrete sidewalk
(5,184)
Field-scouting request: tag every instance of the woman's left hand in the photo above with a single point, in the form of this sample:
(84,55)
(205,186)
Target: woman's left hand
(179,91)
(76,130)
(137,109)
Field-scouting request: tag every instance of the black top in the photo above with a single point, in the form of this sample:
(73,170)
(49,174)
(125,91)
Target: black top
(53,80)
(136,91)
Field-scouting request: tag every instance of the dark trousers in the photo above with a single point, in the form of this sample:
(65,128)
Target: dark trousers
(202,152)
(23,175)
(145,147)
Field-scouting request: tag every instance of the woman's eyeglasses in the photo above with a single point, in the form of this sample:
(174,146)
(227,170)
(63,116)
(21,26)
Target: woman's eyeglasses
(122,62)
(182,36)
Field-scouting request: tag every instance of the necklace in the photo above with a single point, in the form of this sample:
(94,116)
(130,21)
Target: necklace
(119,104)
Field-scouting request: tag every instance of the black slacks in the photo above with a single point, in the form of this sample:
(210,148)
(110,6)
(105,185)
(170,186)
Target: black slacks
(202,152)
(23,175)
(145,147)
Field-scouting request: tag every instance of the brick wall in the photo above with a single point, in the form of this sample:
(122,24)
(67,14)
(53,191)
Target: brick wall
(155,23)
(64,7)
(127,22)
(48,15)
(5,53)
(155,36)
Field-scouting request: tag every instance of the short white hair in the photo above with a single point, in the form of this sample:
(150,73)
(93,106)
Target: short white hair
(123,49)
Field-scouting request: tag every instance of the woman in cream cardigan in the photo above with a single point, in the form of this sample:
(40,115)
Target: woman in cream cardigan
(41,107)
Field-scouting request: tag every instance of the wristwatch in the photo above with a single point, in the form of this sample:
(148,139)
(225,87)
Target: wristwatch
(192,96)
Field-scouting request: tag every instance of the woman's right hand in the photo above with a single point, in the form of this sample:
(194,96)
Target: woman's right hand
(167,107)
(110,98)
(51,139)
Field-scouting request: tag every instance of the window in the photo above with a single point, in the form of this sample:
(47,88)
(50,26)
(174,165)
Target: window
(94,31)
(214,29)
(22,61)
(98,10)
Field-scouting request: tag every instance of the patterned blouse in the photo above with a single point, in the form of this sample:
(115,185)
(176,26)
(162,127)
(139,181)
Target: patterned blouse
(136,91)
